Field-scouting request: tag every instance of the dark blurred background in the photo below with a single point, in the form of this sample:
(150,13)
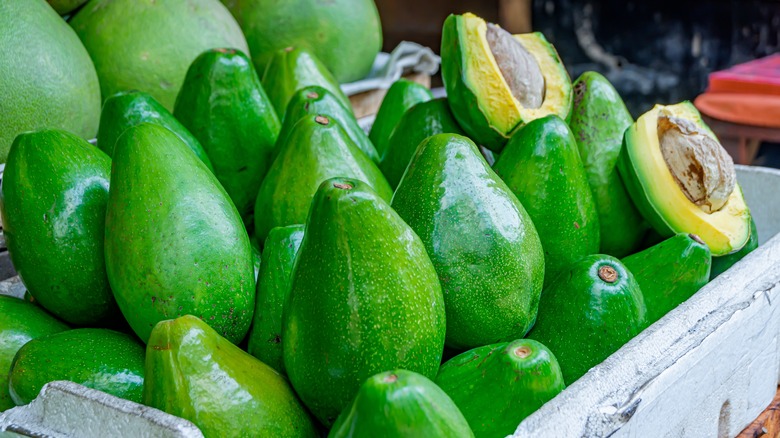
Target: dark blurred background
(653,52)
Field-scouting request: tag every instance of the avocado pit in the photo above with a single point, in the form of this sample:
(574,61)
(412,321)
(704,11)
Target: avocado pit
(703,170)
(519,68)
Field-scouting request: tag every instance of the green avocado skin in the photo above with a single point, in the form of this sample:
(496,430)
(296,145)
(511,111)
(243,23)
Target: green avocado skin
(194,373)
(175,244)
(418,123)
(479,237)
(291,69)
(598,120)
(497,386)
(273,288)
(365,298)
(223,105)
(20,322)
(100,359)
(130,108)
(721,264)
(315,100)
(669,273)
(313,152)
(542,166)
(63,7)
(53,204)
(584,319)
(397,404)
(401,96)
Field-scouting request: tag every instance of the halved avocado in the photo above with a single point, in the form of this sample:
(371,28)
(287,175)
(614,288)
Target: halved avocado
(497,82)
(682,180)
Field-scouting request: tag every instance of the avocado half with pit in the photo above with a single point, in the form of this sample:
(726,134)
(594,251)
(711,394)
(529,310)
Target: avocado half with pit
(682,180)
(497,82)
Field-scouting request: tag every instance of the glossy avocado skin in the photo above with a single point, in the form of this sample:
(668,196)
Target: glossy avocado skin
(100,359)
(584,319)
(418,123)
(273,288)
(598,120)
(400,403)
(175,243)
(130,108)
(20,322)
(222,104)
(721,264)
(315,100)
(53,203)
(669,273)
(496,386)
(194,373)
(365,298)
(316,149)
(542,166)
(479,237)
(291,69)
(401,96)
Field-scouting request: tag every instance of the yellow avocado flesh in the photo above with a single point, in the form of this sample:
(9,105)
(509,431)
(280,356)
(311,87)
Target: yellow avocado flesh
(494,96)
(724,231)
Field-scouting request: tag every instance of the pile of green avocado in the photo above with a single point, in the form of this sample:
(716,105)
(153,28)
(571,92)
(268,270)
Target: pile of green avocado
(254,262)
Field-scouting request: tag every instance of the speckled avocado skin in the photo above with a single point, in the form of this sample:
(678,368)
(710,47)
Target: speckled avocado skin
(100,359)
(479,237)
(194,373)
(401,96)
(175,243)
(53,203)
(365,298)
(20,322)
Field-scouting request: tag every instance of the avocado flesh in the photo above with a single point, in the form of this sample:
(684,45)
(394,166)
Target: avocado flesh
(660,198)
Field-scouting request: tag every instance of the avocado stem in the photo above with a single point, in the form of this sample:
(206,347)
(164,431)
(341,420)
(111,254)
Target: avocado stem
(608,274)
(522,352)
(343,186)
(322,120)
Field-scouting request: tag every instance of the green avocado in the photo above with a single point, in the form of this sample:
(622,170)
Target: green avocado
(682,180)
(721,264)
(316,149)
(588,312)
(291,69)
(479,237)
(131,108)
(598,120)
(497,386)
(196,374)
(542,166)
(365,299)
(401,96)
(64,7)
(20,322)
(100,359)
(345,34)
(47,79)
(175,244)
(224,106)
(399,404)
(273,288)
(53,203)
(497,82)
(418,123)
(315,100)
(669,273)
(148,45)
(256,255)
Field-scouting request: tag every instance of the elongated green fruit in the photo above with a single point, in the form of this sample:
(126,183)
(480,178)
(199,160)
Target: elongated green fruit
(670,272)
(400,403)
(175,244)
(497,386)
(365,298)
(130,108)
(224,106)
(273,288)
(194,373)
(53,203)
(401,96)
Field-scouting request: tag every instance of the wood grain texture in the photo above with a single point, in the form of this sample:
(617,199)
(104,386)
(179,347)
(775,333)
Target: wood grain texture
(767,425)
